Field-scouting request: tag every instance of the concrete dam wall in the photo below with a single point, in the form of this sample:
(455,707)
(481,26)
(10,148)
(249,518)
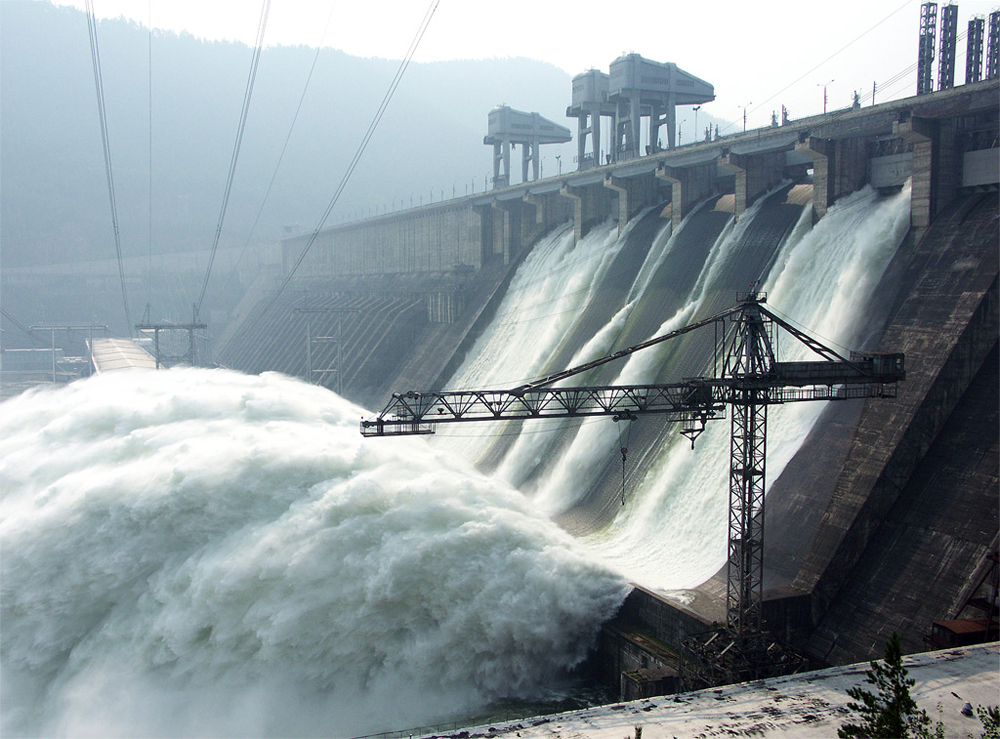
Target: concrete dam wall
(880,518)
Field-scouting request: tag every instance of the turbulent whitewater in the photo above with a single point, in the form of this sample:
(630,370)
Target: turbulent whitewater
(671,534)
(199,552)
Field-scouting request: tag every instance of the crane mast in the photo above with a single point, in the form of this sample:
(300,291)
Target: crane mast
(749,380)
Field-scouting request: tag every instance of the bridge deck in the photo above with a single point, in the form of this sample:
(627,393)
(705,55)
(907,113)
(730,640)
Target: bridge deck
(120,354)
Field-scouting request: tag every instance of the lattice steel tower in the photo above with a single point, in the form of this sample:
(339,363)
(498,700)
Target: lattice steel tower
(974,50)
(949,37)
(993,47)
(925,51)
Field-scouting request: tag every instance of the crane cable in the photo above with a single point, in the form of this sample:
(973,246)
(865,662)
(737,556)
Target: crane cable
(248,93)
(281,156)
(95,55)
(360,151)
(624,445)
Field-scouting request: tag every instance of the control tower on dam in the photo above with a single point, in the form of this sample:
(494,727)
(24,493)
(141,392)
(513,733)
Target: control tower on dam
(883,519)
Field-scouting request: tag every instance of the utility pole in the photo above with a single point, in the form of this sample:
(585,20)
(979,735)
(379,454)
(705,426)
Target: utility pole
(823,85)
(68,327)
(163,358)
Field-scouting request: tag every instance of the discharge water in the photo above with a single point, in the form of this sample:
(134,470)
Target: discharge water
(670,534)
(197,552)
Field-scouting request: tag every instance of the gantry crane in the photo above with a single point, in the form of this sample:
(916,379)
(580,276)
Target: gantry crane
(747,377)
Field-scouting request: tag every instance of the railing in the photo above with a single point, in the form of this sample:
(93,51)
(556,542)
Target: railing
(433,729)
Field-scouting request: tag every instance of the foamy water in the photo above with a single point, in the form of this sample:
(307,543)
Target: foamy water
(672,534)
(197,552)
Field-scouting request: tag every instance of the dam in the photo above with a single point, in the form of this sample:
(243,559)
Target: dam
(220,551)
(877,227)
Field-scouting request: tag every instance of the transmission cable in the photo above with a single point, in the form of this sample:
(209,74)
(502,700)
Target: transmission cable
(34,337)
(95,55)
(270,185)
(360,151)
(149,70)
(248,93)
(813,69)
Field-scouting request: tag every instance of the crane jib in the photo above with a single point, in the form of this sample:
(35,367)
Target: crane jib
(693,401)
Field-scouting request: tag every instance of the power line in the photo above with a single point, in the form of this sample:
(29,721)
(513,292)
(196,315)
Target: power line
(281,156)
(149,67)
(95,56)
(361,148)
(35,337)
(248,93)
(836,53)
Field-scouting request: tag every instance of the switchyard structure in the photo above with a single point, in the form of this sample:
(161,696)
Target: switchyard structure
(507,128)
(974,71)
(949,40)
(165,353)
(993,47)
(749,378)
(974,50)
(925,49)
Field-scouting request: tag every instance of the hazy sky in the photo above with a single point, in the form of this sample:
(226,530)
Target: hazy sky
(757,54)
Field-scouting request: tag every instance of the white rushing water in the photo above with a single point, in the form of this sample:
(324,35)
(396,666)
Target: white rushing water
(198,552)
(540,308)
(672,534)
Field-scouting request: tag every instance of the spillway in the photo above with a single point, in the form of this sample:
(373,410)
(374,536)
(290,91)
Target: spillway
(207,552)
(670,533)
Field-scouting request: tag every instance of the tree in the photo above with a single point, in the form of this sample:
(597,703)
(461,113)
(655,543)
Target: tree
(990,716)
(890,712)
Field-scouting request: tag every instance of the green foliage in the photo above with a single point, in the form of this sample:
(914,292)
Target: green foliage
(990,716)
(889,711)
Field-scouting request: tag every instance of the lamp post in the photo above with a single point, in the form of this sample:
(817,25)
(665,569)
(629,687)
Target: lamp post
(823,85)
(559,162)
(696,109)
(745,116)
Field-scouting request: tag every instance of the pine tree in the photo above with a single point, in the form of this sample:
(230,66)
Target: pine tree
(890,712)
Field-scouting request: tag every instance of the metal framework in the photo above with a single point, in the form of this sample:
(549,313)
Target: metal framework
(925,51)
(949,39)
(974,50)
(993,47)
(312,373)
(163,358)
(750,380)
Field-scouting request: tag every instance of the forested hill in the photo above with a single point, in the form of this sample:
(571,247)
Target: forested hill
(52,191)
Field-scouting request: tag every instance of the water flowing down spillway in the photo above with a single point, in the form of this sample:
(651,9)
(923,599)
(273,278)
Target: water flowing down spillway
(198,552)
(671,533)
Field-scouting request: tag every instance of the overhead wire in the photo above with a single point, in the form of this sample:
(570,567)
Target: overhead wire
(277,166)
(834,54)
(360,150)
(244,114)
(149,69)
(95,55)
(34,336)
